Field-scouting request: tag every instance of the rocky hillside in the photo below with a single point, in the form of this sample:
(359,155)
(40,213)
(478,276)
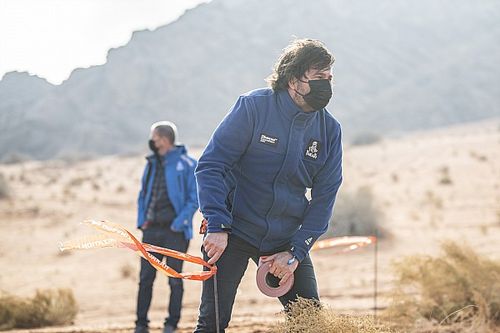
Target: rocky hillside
(401,66)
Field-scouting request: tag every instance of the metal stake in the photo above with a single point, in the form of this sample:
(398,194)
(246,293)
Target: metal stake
(216,297)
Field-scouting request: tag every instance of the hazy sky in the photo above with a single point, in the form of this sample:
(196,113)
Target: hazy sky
(50,38)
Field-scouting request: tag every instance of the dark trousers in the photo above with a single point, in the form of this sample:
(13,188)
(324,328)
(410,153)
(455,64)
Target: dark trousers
(164,237)
(231,267)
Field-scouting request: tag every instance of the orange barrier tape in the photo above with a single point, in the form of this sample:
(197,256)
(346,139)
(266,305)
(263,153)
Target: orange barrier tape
(347,243)
(114,235)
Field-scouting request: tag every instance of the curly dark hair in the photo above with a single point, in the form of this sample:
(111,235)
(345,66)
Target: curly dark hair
(298,57)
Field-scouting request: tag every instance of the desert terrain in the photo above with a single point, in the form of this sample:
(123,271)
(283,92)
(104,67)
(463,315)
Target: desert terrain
(429,186)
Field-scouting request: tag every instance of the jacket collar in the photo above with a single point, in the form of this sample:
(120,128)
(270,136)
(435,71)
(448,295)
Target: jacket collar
(173,154)
(291,110)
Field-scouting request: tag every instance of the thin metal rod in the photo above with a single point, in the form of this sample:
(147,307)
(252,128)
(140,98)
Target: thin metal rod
(375,275)
(216,297)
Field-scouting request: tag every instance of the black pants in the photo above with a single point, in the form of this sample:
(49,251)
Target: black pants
(231,267)
(164,237)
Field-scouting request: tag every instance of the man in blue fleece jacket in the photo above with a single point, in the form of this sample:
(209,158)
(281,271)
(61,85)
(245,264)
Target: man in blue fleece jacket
(166,204)
(273,145)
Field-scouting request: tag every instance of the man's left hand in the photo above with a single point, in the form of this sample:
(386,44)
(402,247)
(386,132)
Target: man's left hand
(279,265)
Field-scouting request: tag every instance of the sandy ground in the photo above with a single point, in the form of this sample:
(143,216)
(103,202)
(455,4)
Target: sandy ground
(430,186)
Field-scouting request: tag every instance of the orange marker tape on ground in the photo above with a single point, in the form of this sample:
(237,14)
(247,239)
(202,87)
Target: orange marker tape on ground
(114,235)
(347,243)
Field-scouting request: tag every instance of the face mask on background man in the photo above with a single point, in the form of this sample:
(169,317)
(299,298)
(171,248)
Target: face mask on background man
(153,147)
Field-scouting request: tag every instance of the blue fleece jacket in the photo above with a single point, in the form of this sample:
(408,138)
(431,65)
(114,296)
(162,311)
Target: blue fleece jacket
(181,188)
(254,172)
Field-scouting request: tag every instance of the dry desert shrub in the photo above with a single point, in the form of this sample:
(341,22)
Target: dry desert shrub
(445,176)
(77,181)
(120,189)
(126,270)
(479,157)
(433,200)
(47,308)
(394,177)
(356,214)
(4,188)
(306,316)
(366,138)
(95,186)
(456,292)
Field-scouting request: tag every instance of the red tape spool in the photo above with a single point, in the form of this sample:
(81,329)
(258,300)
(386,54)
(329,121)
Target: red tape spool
(265,288)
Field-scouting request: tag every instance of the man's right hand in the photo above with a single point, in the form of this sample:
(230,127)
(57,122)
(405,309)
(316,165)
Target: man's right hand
(214,245)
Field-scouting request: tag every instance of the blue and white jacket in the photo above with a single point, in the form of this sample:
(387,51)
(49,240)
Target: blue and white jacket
(254,172)
(181,188)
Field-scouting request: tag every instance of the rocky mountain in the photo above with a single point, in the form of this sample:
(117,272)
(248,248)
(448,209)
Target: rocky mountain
(400,66)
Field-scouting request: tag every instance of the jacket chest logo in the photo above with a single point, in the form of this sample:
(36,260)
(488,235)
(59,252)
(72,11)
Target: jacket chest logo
(268,140)
(312,149)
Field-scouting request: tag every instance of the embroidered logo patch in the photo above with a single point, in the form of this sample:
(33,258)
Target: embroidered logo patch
(308,241)
(268,140)
(312,149)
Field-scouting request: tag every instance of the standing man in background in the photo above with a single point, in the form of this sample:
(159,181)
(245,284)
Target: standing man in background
(167,202)
(253,175)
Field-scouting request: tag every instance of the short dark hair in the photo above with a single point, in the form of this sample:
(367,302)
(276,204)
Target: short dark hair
(297,58)
(165,129)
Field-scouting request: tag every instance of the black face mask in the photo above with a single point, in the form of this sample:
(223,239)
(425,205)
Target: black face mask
(153,147)
(320,94)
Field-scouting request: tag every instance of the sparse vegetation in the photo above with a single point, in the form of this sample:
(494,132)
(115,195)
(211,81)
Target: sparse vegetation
(414,216)
(394,177)
(126,270)
(445,176)
(479,157)
(98,173)
(433,200)
(14,158)
(356,215)
(484,229)
(306,316)
(367,138)
(23,179)
(95,186)
(51,181)
(77,181)
(33,211)
(71,158)
(4,188)
(456,292)
(68,194)
(47,308)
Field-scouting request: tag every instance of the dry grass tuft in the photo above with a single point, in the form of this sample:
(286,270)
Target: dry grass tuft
(47,308)
(126,270)
(120,189)
(457,292)
(445,176)
(305,316)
